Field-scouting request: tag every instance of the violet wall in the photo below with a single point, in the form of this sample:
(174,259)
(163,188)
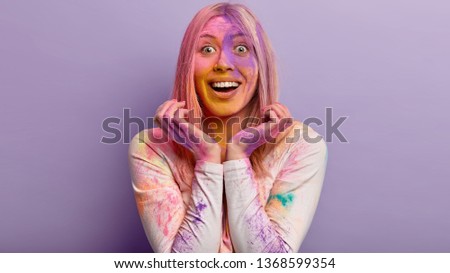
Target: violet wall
(65,66)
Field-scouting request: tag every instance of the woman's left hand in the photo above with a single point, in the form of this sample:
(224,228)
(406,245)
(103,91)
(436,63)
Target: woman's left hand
(275,119)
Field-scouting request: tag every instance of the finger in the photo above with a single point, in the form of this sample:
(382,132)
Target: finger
(284,109)
(273,126)
(272,115)
(187,129)
(176,130)
(278,110)
(266,114)
(267,133)
(161,110)
(181,113)
(179,136)
(274,108)
(164,125)
(167,116)
(270,129)
(163,107)
(285,117)
(252,138)
(264,110)
(172,108)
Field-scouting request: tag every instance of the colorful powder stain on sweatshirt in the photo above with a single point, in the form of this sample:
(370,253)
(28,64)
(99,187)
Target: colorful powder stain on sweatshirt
(173,223)
(285,199)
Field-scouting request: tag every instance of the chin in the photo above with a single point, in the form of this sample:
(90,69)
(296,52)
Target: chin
(218,111)
(223,113)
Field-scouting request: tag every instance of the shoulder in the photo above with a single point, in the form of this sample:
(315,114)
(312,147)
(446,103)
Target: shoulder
(304,155)
(300,136)
(303,132)
(150,141)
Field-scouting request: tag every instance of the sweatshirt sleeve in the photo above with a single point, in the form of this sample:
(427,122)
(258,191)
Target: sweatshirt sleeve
(280,225)
(171,226)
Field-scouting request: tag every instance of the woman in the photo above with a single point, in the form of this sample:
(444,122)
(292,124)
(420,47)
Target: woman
(227,169)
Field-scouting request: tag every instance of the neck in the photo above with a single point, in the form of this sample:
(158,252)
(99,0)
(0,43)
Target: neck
(224,128)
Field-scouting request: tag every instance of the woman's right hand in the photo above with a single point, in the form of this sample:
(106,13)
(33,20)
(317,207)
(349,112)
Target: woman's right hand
(170,118)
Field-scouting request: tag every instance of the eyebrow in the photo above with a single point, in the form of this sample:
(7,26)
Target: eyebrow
(207,35)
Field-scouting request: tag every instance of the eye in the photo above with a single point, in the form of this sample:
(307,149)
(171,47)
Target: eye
(241,49)
(208,49)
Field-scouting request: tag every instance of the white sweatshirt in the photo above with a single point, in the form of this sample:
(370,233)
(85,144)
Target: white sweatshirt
(224,207)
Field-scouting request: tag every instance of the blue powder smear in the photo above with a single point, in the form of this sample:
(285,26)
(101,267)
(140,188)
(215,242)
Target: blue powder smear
(285,199)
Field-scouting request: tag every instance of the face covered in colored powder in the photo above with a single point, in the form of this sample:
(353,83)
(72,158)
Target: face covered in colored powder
(226,69)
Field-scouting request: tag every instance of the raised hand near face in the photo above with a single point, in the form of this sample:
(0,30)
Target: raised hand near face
(170,118)
(275,119)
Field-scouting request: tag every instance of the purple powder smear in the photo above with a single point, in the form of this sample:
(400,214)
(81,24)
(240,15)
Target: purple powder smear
(197,219)
(181,242)
(200,207)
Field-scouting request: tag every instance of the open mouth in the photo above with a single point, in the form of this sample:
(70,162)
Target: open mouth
(224,86)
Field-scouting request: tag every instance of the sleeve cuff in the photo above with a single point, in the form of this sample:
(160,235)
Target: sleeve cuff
(208,167)
(236,164)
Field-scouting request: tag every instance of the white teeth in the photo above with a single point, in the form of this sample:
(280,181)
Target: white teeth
(225,84)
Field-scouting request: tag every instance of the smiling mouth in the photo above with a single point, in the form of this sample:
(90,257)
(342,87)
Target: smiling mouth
(224,86)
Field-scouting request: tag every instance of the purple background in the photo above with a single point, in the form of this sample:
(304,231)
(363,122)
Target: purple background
(65,66)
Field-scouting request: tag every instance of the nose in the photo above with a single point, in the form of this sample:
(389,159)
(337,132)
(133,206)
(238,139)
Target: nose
(224,63)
